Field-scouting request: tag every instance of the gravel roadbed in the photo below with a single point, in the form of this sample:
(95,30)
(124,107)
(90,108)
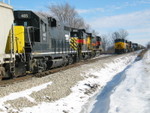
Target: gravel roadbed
(61,84)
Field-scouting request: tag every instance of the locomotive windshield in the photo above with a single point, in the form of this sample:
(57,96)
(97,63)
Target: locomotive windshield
(119,40)
(74,34)
(31,23)
(23,23)
(98,38)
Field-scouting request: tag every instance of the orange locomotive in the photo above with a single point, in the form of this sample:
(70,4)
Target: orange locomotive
(86,44)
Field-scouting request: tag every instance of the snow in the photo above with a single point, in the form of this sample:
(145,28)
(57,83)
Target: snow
(25,93)
(133,94)
(77,99)
(129,97)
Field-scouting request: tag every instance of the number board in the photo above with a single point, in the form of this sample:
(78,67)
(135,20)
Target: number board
(24,15)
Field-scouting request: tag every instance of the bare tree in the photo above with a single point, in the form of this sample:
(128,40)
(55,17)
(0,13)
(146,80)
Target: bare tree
(87,27)
(106,41)
(115,35)
(77,23)
(94,32)
(148,45)
(67,15)
(45,14)
(122,34)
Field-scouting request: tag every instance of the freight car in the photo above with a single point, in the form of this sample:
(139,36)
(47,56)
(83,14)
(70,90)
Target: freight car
(41,43)
(6,22)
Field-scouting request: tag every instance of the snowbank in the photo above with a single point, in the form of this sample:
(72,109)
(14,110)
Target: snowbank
(133,94)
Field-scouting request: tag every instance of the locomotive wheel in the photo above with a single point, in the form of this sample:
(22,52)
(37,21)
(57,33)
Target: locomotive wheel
(70,60)
(0,76)
(65,59)
(37,65)
(2,72)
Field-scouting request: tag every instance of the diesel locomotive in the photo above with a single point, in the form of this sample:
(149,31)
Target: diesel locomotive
(41,43)
(124,46)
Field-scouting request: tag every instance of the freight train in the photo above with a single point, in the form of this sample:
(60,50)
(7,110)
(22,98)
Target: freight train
(37,43)
(124,46)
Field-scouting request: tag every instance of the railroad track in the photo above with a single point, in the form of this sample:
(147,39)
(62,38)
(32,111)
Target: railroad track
(7,82)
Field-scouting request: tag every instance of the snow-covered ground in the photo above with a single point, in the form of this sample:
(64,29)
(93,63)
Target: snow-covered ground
(133,94)
(94,81)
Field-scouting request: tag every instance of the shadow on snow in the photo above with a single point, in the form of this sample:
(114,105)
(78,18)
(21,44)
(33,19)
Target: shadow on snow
(103,99)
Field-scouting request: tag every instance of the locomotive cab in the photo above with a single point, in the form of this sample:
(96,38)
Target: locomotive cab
(120,46)
(79,34)
(36,29)
(78,41)
(98,42)
(77,38)
(89,41)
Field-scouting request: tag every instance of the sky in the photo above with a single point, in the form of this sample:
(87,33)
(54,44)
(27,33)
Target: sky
(104,16)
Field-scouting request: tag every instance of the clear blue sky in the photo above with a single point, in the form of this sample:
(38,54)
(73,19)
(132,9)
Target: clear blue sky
(104,16)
